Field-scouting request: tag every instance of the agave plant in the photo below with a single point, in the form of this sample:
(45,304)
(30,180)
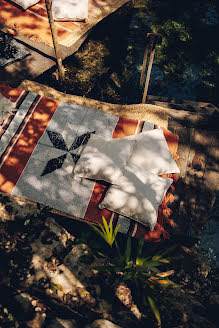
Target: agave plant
(137,268)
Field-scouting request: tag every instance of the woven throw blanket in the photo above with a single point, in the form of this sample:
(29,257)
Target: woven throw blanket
(40,143)
(10,50)
(33,22)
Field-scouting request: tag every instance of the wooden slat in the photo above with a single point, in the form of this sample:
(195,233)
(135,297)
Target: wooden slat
(185,139)
(211,174)
(195,196)
(179,206)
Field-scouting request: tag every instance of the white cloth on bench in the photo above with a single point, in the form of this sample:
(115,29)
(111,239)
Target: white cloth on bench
(70,10)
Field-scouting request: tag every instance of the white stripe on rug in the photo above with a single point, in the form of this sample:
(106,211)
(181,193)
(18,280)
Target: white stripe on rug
(46,19)
(14,125)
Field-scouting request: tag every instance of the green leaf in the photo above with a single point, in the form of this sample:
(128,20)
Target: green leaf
(111,230)
(155,310)
(140,246)
(129,265)
(145,274)
(164,260)
(156,258)
(165,274)
(139,261)
(108,268)
(103,255)
(151,263)
(128,250)
(128,275)
(118,250)
(106,232)
(10,317)
(98,231)
(106,226)
(116,230)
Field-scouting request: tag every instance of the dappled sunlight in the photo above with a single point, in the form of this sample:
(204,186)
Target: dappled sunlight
(103,159)
(10,93)
(21,148)
(124,130)
(5,184)
(172,141)
(33,23)
(124,294)
(137,196)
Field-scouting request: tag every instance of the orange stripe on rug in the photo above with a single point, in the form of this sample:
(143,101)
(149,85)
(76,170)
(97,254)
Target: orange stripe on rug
(126,127)
(93,213)
(12,94)
(23,144)
(172,141)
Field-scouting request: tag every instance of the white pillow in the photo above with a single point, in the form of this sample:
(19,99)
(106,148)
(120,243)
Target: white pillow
(25,3)
(103,159)
(137,195)
(151,153)
(70,10)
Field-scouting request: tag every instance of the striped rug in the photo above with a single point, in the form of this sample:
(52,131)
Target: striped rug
(37,157)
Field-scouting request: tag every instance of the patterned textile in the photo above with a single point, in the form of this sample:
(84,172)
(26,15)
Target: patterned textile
(10,50)
(40,144)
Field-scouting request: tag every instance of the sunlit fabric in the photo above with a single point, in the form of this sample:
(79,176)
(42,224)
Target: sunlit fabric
(70,10)
(138,194)
(152,154)
(103,159)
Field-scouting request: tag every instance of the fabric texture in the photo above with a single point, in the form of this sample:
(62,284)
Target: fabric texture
(6,109)
(40,145)
(25,3)
(103,159)
(138,194)
(10,50)
(152,154)
(70,10)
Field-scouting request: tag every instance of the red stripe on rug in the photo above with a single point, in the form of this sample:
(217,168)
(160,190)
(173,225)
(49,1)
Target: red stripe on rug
(12,94)
(124,127)
(5,123)
(172,141)
(21,149)
(93,213)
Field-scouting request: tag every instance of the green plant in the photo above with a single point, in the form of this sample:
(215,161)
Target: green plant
(136,268)
(106,232)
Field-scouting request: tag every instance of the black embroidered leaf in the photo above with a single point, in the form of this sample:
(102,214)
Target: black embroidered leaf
(75,157)
(81,140)
(54,164)
(57,140)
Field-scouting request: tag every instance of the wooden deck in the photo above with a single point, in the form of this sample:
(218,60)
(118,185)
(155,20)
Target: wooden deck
(197,125)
